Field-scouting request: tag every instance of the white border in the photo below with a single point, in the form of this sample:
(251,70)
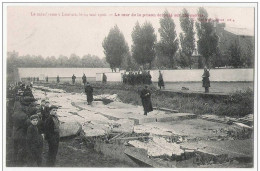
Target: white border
(145,3)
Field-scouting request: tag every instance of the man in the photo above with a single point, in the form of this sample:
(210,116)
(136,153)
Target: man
(160,80)
(52,135)
(58,79)
(104,78)
(84,79)
(89,93)
(47,79)
(146,100)
(45,111)
(73,79)
(19,118)
(205,80)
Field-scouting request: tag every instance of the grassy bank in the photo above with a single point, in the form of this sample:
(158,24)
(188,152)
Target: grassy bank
(237,104)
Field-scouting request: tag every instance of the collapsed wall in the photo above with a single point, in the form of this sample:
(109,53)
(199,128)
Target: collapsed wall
(161,139)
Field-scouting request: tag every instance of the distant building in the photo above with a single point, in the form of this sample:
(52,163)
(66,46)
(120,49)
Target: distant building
(243,37)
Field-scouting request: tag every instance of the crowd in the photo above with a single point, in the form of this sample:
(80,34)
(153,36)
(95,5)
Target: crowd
(31,125)
(137,77)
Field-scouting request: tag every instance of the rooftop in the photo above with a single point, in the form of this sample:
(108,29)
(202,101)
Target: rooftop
(240,31)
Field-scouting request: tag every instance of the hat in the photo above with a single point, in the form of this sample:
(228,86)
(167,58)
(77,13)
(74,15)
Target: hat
(32,111)
(53,107)
(34,117)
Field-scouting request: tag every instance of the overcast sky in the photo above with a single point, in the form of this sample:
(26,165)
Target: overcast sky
(63,35)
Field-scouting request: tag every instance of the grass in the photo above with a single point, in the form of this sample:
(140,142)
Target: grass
(236,104)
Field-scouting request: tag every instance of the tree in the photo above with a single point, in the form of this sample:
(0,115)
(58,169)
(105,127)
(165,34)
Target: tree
(115,47)
(235,55)
(208,40)
(143,48)
(169,43)
(74,61)
(187,37)
(62,61)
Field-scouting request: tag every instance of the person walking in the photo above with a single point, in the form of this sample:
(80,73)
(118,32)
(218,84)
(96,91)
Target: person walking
(146,100)
(205,80)
(52,135)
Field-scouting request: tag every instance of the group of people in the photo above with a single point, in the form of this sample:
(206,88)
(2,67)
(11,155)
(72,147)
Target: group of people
(84,79)
(135,78)
(31,125)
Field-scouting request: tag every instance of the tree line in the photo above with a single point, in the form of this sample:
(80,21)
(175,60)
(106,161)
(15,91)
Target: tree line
(167,53)
(171,52)
(86,61)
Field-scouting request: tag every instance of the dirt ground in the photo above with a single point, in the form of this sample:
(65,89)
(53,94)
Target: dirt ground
(73,152)
(215,87)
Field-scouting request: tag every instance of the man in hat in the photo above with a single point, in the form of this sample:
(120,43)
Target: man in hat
(58,78)
(19,118)
(160,80)
(104,78)
(73,79)
(205,80)
(146,100)
(52,135)
(84,79)
(89,93)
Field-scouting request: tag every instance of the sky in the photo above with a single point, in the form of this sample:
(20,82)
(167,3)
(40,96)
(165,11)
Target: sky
(55,30)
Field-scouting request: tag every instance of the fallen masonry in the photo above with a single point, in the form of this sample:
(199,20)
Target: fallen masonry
(164,138)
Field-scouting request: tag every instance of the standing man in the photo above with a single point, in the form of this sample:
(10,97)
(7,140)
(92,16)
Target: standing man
(52,135)
(205,80)
(73,79)
(160,80)
(146,100)
(84,79)
(47,79)
(58,79)
(104,79)
(89,93)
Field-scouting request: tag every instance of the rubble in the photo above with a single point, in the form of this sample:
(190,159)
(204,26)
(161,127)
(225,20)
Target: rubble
(175,137)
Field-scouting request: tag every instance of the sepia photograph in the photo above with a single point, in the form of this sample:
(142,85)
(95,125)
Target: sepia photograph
(129,85)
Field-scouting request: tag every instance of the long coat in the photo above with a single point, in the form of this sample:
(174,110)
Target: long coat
(160,80)
(146,100)
(84,79)
(34,140)
(89,92)
(205,79)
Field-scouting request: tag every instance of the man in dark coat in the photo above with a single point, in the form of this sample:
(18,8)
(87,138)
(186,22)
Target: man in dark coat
(58,79)
(19,118)
(160,80)
(146,100)
(73,79)
(52,135)
(89,93)
(104,78)
(47,79)
(34,142)
(205,80)
(45,110)
(84,79)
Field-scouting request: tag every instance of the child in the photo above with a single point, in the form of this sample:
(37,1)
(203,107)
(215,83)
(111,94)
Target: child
(52,135)
(34,142)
